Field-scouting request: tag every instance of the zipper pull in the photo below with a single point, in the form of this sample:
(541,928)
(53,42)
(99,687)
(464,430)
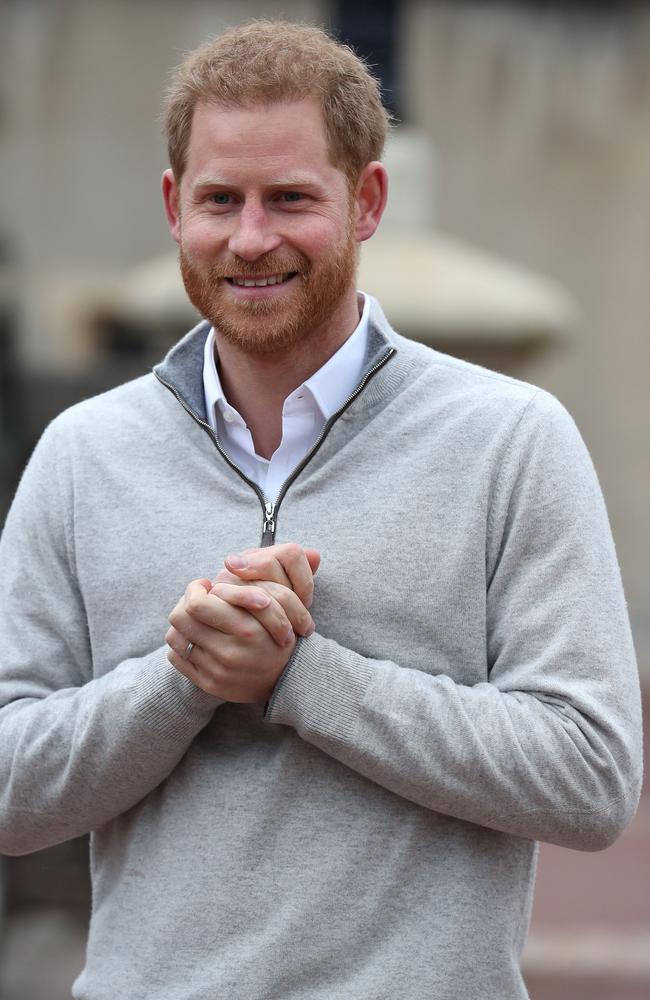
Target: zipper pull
(268,529)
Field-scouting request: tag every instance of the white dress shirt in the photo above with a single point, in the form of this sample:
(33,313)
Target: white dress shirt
(304,413)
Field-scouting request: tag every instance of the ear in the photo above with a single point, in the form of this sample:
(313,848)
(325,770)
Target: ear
(171,200)
(370,199)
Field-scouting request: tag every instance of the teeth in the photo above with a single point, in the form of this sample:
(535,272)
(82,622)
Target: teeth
(275,279)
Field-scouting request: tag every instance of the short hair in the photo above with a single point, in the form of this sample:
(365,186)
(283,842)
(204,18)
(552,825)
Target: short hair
(262,62)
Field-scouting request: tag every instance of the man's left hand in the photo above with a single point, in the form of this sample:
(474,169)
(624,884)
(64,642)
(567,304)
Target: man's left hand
(238,654)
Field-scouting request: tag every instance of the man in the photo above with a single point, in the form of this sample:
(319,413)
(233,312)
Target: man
(286,806)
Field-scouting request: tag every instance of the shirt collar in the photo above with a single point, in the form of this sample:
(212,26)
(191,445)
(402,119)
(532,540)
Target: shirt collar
(330,386)
(340,375)
(212,389)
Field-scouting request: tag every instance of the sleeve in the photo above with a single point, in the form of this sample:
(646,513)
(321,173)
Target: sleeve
(549,746)
(74,751)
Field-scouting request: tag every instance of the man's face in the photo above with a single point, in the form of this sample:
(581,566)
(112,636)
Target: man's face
(261,202)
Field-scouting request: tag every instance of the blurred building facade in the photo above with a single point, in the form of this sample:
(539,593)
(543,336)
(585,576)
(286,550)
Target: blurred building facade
(538,113)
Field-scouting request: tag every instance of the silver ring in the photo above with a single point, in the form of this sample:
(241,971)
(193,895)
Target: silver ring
(188,650)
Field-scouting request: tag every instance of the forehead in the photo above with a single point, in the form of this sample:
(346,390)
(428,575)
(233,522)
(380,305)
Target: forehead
(287,135)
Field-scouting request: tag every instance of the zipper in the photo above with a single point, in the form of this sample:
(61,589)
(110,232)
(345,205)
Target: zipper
(326,429)
(206,427)
(270,508)
(268,528)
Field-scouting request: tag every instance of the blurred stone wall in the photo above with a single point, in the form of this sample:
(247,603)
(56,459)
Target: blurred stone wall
(541,124)
(81,85)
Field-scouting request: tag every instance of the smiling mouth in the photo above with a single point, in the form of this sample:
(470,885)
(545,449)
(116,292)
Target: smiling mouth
(262,282)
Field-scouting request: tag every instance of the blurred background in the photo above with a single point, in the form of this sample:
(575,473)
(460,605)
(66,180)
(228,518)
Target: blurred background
(517,236)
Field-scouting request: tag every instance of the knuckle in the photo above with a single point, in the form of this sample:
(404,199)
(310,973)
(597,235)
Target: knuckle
(281,596)
(193,605)
(282,615)
(282,628)
(292,551)
(246,631)
(228,658)
(210,685)
(176,661)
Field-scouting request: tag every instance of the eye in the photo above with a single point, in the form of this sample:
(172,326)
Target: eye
(221,198)
(291,196)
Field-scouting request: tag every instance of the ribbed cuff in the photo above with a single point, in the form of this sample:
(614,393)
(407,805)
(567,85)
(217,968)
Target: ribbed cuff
(167,700)
(321,690)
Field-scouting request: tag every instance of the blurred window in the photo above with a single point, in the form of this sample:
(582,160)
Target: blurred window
(371,27)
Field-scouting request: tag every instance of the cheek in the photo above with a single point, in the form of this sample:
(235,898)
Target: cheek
(320,238)
(202,237)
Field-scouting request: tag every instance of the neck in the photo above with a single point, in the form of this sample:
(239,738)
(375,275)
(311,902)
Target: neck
(257,385)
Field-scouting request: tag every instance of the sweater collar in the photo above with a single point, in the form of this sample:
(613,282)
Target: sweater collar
(181,370)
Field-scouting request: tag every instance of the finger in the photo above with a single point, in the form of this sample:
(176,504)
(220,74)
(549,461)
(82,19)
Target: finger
(177,641)
(301,621)
(258,564)
(238,626)
(313,558)
(272,616)
(286,564)
(225,576)
(183,666)
(231,611)
(202,672)
(199,608)
(202,638)
(196,587)
(195,596)
(303,624)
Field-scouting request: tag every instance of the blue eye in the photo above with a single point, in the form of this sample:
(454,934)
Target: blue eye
(291,195)
(221,198)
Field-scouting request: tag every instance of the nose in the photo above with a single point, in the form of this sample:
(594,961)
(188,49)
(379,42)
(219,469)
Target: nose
(253,234)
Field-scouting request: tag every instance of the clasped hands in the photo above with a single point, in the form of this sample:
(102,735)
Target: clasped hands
(245,622)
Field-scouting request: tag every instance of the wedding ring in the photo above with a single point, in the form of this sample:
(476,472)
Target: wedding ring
(188,650)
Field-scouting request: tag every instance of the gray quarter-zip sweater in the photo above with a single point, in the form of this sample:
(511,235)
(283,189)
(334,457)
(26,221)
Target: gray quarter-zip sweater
(471,688)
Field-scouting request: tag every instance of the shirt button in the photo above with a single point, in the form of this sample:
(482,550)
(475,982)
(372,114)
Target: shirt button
(229,416)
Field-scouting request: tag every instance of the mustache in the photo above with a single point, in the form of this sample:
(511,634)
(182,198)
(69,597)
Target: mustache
(267,264)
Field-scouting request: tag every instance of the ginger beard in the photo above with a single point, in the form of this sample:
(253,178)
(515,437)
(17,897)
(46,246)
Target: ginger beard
(264,326)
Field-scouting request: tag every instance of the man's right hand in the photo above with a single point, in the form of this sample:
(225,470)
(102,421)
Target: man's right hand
(288,564)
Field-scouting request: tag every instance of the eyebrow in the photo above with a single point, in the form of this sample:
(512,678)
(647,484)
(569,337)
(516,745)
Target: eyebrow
(298,180)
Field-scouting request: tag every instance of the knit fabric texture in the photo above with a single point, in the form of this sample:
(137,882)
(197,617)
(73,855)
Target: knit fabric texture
(471,688)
